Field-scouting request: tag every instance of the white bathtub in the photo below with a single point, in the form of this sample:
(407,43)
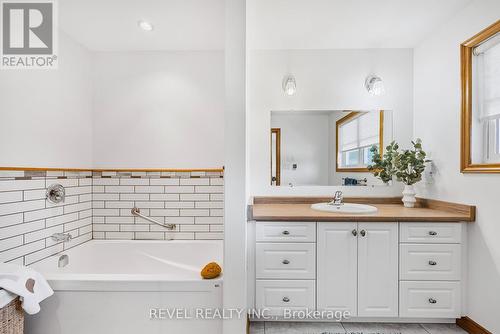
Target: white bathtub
(112,286)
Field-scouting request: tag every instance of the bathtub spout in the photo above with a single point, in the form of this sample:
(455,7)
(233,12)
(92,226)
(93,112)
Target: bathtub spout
(63,261)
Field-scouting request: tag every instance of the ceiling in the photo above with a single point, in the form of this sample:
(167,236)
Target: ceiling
(334,24)
(111,25)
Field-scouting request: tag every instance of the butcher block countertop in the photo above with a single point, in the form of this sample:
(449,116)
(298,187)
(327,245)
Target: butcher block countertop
(389,209)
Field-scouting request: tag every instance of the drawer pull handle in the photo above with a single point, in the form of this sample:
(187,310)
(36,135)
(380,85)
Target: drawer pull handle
(432,301)
(433,233)
(286,262)
(286,299)
(286,232)
(432,263)
(363,233)
(354,232)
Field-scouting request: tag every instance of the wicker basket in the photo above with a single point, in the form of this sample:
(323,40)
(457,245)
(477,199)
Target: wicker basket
(12,318)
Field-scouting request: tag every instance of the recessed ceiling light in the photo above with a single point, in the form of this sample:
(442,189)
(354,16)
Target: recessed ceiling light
(145,25)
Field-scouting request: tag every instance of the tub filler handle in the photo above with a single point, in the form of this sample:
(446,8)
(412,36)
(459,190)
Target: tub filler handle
(137,212)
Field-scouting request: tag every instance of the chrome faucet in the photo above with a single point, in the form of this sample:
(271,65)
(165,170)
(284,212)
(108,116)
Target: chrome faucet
(62,237)
(337,198)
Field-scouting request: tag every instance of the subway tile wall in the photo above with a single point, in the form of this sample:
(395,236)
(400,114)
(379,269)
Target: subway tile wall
(192,201)
(27,219)
(99,206)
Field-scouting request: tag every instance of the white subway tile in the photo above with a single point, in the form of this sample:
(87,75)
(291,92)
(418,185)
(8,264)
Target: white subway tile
(158,228)
(178,205)
(13,185)
(195,197)
(85,214)
(164,197)
(150,205)
(11,242)
(195,182)
(78,241)
(98,220)
(134,228)
(120,235)
(217,197)
(61,219)
(134,197)
(149,189)
(54,173)
(11,220)
(194,212)
(42,254)
(119,189)
(134,182)
(216,228)
(194,228)
(10,208)
(209,189)
(78,190)
(149,236)
(77,224)
(41,214)
(19,229)
(85,198)
(67,201)
(209,220)
(85,229)
(210,205)
(99,235)
(105,182)
(84,182)
(14,253)
(106,197)
(97,189)
(11,173)
(77,207)
(164,212)
(209,236)
(217,212)
(216,181)
(9,197)
(63,182)
(165,182)
(119,220)
(119,205)
(98,204)
(42,234)
(106,228)
(106,212)
(179,189)
(179,220)
(30,195)
(179,236)
(19,261)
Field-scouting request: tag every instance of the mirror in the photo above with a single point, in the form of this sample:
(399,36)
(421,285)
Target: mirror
(480,61)
(326,147)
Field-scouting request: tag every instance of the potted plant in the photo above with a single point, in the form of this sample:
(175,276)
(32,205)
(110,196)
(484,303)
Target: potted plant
(407,165)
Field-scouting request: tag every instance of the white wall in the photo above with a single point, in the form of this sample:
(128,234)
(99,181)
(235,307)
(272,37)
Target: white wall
(326,80)
(437,122)
(158,109)
(45,115)
(305,142)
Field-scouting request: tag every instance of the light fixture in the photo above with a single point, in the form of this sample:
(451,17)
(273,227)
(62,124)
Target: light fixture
(145,25)
(374,85)
(289,85)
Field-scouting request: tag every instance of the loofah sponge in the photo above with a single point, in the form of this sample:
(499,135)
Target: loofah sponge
(211,270)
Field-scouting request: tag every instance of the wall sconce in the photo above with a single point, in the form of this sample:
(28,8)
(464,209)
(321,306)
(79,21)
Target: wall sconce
(289,85)
(374,85)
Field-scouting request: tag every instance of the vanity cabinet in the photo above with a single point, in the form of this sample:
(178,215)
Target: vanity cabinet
(358,268)
(371,269)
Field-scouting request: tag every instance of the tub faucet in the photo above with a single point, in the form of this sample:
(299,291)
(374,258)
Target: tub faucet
(63,261)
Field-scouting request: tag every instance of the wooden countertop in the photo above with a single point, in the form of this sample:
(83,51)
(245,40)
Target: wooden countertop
(388,210)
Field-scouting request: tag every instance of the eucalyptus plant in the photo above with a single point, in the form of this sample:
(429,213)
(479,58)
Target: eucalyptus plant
(407,165)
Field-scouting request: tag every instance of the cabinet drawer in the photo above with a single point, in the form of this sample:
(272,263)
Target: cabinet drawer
(276,296)
(290,260)
(285,231)
(431,232)
(430,299)
(430,262)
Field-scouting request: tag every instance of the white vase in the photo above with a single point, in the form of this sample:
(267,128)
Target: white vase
(409,199)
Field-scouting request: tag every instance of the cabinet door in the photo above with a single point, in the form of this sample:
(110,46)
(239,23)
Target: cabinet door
(336,267)
(378,270)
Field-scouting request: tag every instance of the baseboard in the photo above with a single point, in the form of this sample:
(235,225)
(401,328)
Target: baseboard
(471,327)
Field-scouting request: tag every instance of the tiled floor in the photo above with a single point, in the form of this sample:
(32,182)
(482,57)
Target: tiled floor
(351,328)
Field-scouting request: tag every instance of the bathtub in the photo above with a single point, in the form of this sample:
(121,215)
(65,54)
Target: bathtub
(131,287)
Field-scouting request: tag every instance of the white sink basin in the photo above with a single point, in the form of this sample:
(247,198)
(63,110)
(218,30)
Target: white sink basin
(344,208)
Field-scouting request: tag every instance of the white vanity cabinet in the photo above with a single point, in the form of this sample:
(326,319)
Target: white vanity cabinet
(358,268)
(376,270)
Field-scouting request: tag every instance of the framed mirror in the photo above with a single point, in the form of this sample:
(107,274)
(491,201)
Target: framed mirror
(480,74)
(326,147)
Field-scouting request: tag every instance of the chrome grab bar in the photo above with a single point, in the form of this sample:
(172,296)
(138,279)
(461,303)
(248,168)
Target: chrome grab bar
(137,212)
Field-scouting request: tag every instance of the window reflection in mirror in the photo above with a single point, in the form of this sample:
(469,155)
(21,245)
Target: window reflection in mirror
(326,147)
